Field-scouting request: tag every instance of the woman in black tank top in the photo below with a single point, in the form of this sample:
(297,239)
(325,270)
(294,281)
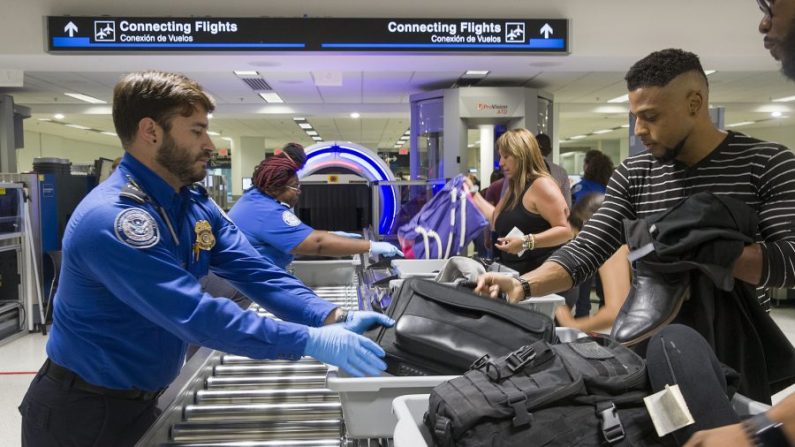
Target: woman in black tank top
(532,203)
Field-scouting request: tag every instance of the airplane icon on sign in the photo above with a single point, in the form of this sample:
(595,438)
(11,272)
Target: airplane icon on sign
(104,31)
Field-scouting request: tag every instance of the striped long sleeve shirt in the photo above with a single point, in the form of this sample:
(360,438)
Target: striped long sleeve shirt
(759,173)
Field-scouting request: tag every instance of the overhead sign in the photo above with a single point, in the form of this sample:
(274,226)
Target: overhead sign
(119,34)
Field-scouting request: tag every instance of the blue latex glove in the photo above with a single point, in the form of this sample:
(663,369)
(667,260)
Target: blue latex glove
(356,355)
(344,234)
(361,320)
(385,249)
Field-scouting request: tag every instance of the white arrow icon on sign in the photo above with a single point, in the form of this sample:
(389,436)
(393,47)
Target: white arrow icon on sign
(70,28)
(546,30)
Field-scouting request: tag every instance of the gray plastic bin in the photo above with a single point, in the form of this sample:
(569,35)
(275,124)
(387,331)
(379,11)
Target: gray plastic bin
(411,432)
(546,304)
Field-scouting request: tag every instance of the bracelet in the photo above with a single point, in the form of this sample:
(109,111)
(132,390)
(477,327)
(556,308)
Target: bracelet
(528,241)
(525,287)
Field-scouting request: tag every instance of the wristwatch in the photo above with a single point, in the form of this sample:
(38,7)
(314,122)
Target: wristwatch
(764,432)
(525,287)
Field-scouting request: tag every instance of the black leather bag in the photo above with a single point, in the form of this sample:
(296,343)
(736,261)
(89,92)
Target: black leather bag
(442,329)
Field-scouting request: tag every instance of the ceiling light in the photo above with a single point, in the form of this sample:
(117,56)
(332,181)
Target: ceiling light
(304,125)
(271,97)
(578,137)
(227,139)
(58,116)
(299,118)
(111,134)
(404,138)
(311,132)
(45,119)
(355,115)
(776,114)
(625,126)
(476,73)
(601,131)
(785,99)
(619,99)
(407,132)
(317,138)
(214,134)
(709,72)
(246,72)
(209,116)
(398,146)
(78,126)
(741,123)
(85,98)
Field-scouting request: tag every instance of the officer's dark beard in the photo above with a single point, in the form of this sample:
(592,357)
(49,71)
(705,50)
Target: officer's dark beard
(671,154)
(178,161)
(788,55)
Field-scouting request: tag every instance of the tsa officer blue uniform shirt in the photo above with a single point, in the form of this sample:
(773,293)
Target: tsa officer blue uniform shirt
(129,298)
(269,225)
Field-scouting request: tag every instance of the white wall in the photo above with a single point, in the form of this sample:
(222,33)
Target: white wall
(780,134)
(45,145)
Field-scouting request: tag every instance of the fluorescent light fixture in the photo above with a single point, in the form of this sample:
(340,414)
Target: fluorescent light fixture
(227,139)
(785,99)
(398,145)
(404,138)
(77,126)
(578,137)
(619,99)
(214,134)
(299,118)
(625,126)
(45,119)
(311,133)
(110,134)
(304,125)
(741,123)
(407,132)
(776,114)
(476,73)
(317,138)
(246,72)
(271,97)
(209,116)
(58,116)
(709,72)
(355,115)
(85,98)
(601,131)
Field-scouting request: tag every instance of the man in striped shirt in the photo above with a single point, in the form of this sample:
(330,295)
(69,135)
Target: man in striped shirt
(686,154)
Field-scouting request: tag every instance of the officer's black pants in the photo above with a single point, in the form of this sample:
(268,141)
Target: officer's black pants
(679,355)
(55,414)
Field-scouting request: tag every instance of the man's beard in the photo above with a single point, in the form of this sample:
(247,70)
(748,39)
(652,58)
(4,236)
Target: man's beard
(178,161)
(788,52)
(671,154)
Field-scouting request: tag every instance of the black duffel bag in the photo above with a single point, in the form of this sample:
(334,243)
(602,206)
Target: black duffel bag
(586,393)
(442,330)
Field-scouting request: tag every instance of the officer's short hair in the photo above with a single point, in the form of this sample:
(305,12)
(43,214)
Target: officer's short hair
(156,95)
(661,67)
(544,143)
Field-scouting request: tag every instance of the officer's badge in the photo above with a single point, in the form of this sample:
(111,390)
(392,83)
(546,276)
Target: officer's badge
(290,219)
(205,240)
(136,228)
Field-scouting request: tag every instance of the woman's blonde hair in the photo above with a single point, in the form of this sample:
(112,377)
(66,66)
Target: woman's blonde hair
(523,147)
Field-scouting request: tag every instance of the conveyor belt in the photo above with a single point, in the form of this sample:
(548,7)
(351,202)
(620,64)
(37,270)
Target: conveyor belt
(234,401)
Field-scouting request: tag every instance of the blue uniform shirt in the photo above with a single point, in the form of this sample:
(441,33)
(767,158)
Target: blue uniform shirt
(270,226)
(129,298)
(584,187)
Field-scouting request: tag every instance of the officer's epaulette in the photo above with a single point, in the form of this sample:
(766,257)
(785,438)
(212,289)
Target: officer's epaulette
(199,188)
(132,192)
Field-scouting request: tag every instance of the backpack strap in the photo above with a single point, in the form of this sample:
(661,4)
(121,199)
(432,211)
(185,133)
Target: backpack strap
(612,429)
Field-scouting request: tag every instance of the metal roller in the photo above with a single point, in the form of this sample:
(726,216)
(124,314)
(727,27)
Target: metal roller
(264,382)
(296,443)
(289,395)
(253,431)
(269,369)
(229,359)
(264,412)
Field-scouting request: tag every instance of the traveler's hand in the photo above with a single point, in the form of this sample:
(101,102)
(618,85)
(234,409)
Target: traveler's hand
(732,435)
(360,321)
(344,234)
(491,284)
(354,354)
(509,244)
(385,249)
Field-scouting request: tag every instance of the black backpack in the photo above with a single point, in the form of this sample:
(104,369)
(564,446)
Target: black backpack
(585,393)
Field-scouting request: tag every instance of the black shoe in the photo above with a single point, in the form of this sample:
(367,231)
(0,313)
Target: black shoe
(654,301)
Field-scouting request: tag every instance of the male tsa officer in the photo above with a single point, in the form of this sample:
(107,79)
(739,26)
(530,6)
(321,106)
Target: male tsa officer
(129,298)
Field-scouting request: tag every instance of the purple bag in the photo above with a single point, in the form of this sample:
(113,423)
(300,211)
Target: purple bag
(444,226)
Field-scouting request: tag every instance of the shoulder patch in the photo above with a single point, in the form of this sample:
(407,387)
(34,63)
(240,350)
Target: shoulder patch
(136,228)
(290,219)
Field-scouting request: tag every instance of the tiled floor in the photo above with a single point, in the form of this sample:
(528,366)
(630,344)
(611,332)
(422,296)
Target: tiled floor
(22,357)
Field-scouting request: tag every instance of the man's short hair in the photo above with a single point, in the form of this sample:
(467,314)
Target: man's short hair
(661,67)
(544,143)
(156,95)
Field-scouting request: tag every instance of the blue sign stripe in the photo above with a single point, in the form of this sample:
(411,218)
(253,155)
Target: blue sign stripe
(534,43)
(85,42)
